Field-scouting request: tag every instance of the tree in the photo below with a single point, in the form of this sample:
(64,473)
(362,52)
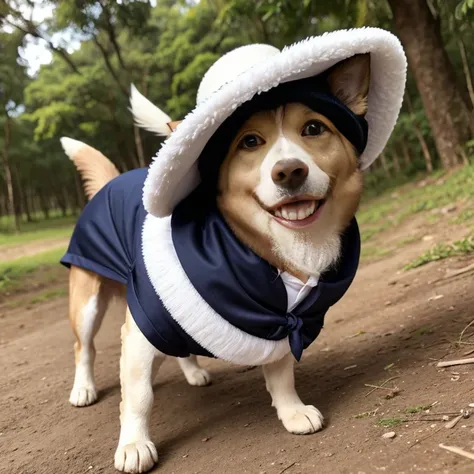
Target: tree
(446,109)
(12,80)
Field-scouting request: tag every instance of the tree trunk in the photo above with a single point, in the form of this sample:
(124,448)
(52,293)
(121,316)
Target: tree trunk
(8,173)
(467,70)
(44,205)
(396,161)
(385,167)
(419,135)
(406,154)
(80,198)
(447,112)
(139,145)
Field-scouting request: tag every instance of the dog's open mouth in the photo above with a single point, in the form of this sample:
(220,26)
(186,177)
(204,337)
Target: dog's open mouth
(297,213)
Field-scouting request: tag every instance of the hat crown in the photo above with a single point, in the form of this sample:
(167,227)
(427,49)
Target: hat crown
(231,65)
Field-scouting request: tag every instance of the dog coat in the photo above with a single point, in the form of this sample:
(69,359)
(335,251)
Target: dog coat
(192,286)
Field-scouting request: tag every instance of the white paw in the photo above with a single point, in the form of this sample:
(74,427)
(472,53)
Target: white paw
(301,419)
(136,457)
(198,377)
(83,396)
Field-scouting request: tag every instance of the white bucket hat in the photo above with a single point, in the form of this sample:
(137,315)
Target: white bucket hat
(249,70)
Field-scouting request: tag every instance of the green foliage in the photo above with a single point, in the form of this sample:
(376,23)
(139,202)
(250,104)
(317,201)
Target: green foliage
(165,50)
(56,227)
(389,422)
(49,295)
(442,251)
(13,272)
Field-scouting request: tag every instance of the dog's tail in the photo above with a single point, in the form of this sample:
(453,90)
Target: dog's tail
(147,115)
(95,169)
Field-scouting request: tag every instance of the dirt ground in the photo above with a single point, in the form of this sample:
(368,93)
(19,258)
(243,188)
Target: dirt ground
(391,324)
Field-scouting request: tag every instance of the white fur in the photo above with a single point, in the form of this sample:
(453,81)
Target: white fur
(310,253)
(316,184)
(173,173)
(191,311)
(148,115)
(194,373)
(138,366)
(83,392)
(71,146)
(296,417)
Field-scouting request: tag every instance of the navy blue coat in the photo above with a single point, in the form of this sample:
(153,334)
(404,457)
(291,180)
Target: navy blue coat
(241,287)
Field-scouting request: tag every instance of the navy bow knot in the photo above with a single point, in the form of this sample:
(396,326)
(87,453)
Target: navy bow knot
(294,325)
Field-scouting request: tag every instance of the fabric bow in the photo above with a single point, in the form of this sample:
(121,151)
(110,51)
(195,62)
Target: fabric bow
(294,325)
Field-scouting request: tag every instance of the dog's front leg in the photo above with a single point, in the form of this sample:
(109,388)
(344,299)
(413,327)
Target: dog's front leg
(297,417)
(138,365)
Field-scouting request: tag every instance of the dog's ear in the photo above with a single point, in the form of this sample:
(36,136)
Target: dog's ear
(349,81)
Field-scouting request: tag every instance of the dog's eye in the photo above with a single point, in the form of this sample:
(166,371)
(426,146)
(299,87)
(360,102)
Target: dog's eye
(313,129)
(251,141)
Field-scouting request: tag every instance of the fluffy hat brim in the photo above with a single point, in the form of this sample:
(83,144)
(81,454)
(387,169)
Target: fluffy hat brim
(173,173)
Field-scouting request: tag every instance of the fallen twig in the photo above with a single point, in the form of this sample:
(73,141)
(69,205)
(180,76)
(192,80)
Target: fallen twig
(454,273)
(449,363)
(381,385)
(287,467)
(464,330)
(459,271)
(378,386)
(417,441)
(453,422)
(456,450)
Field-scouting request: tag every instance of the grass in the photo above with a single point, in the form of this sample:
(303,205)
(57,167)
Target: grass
(370,253)
(392,207)
(12,273)
(390,422)
(54,228)
(49,295)
(442,251)
(466,215)
(417,409)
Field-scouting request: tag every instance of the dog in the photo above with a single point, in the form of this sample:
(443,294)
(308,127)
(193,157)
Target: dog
(287,188)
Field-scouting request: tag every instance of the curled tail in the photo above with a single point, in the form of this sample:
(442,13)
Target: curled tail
(95,169)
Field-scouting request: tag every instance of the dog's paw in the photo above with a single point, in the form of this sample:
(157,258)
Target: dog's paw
(301,419)
(199,377)
(83,396)
(136,457)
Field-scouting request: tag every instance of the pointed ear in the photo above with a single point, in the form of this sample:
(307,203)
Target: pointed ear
(349,81)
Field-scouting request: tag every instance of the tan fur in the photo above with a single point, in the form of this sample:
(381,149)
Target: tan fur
(239,177)
(95,169)
(349,81)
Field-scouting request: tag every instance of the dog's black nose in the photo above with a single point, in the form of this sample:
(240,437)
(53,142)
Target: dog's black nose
(290,174)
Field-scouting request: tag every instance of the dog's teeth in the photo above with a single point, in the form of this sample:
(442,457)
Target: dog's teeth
(293,215)
(302,213)
(312,208)
(284,213)
(278,213)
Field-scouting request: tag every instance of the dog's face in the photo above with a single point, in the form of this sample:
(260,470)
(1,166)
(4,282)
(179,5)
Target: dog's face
(291,183)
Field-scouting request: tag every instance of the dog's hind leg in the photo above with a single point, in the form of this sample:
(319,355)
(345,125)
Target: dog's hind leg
(138,365)
(194,373)
(89,295)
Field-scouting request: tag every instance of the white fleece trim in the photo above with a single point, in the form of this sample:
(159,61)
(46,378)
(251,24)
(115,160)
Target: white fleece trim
(173,172)
(191,311)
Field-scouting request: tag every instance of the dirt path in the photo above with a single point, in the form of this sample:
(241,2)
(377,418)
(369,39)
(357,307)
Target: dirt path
(387,326)
(8,252)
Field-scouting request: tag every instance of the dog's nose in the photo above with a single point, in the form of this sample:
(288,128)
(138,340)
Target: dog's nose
(289,173)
